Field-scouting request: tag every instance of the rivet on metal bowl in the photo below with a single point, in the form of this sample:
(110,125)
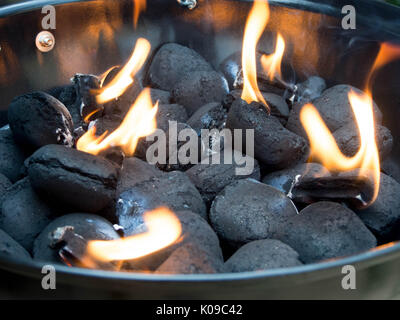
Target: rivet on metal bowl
(45,41)
(190,4)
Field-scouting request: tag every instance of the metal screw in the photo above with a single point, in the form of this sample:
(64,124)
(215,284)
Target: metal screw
(45,41)
(190,4)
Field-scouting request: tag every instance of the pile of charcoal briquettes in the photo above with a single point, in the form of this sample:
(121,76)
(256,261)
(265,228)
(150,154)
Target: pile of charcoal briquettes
(55,198)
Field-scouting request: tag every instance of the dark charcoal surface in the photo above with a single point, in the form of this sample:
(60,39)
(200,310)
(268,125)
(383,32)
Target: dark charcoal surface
(4,185)
(86,86)
(109,122)
(9,248)
(277,105)
(334,108)
(274,145)
(89,226)
(162,96)
(190,259)
(168,125)
(123,103)
(390,166)
(348,140)
(210,178)
(383,216)
(78,179)
(310,89)
(248,210)
(170,112)
(210,116)
(283,179)
(173,190)
(37,119)
(194,230)
(187,138)
(11,156)
(351,187)
(24,214)
(67,96)
(231,68)
(326,230)
(135,170)
(199,88)
(172,62)
(262,255)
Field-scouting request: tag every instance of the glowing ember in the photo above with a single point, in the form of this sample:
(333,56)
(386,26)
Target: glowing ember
(164,229)
(272,63)
(255,25)
(325,150)
(125,77)
(139,122)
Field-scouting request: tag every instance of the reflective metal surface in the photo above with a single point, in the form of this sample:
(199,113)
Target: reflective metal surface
(91,36)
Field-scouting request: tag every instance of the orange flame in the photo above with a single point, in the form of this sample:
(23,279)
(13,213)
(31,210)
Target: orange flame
(255,25)
(325,150)
(139,122)
(124,78)
(164,229)
(104,75)
(387,53)
(272,63)
(138,7)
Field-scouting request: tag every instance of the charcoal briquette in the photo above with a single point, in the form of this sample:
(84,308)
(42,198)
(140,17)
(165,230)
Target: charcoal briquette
(390,166)
(194,230)
(173,190)
(334,108)
(171,63)
(310,89)
(210,179)
(276,104)
(248,210)
(162,96)
(78,179)
(89,226)
(383,215)
(11,249)
(262,255)
(190,259)
(210,116)
(284,179)
(199,88)
(135,170)
(108,123)
(231,68)
(114,154)
(351,187)
(87,86)
(24,214)
(348,140)
(274,145)
(170,112)
(37,119)
(326,230)
(5,183)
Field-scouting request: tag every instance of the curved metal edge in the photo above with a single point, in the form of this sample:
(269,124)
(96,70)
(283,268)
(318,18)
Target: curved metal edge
(363,260)
(370,258)
(27,6)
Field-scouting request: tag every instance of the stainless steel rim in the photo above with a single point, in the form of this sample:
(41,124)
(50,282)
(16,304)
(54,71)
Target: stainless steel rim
(363,260)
